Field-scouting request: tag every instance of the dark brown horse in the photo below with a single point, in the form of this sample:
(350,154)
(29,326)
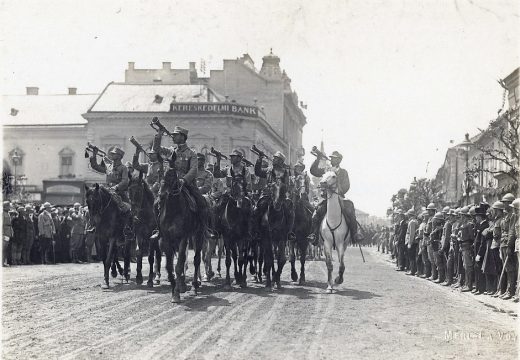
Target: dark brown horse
(301,229)
(142,200)
(109,221)
(275,226)
(234,213)
(178,222)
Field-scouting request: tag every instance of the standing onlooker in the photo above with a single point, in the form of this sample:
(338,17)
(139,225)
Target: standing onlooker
(65,231)
(411,243)
(77,235)
(19,225)
(7,231)
(467,236)
(29,239)
(46,231)
(479,247)
(35,250)
(506,253)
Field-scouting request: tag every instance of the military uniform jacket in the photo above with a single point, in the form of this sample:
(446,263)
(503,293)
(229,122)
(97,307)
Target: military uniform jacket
(446,236)
(239,173)
(204,181)
(497,233)
(436,237)
(454,232)
(504,227)
(117,174)
(467,233)
(185,161)
(46,227)
(512,233)
(341,174)
(427,231)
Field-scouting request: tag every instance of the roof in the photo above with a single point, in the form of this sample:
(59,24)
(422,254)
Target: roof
(45,109)
(120,97)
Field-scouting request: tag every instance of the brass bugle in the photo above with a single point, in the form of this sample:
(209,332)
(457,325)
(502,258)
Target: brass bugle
(217,153)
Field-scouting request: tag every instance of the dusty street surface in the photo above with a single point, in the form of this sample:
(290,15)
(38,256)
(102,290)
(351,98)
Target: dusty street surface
(61,312)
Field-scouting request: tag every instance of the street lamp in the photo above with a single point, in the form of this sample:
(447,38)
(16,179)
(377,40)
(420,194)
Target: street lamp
(15,158)
(466,147)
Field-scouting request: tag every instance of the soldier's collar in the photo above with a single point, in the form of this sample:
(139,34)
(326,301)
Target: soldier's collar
(182,146)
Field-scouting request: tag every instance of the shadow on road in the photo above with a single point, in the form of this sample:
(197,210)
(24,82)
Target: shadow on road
(353,293)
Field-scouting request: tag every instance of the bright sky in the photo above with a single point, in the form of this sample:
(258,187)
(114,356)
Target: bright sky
(389,82)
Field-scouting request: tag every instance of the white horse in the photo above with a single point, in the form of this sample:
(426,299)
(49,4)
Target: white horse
(333,230)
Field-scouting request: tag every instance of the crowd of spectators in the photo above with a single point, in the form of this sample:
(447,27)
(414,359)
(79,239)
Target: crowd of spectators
(45,234)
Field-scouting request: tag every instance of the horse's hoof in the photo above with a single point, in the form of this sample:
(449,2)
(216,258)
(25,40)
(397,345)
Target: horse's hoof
(196,284)
(105,286)
(329,291)
(338,280)
(138,280)
(243,284)
(294,276)
(252,269)
(176,299)
(114,274)
(210,275)
(260,279)
(127,278)
(149,284)
(301,282)
(219,275)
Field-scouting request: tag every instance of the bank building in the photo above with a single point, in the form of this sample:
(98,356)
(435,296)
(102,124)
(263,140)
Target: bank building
(235,107)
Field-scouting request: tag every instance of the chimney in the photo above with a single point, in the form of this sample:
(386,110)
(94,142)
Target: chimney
(131,65)
(72,90)
(166,65)
(32,90)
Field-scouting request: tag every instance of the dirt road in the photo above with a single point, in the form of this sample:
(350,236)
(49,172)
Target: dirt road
(60,312)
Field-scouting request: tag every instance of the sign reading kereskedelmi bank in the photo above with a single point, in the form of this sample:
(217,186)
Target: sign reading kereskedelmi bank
(214,108)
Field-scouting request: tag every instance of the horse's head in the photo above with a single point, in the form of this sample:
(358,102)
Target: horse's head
(237,191)
(136,191)
(96,201)
(171,180)
(329,181)
(278,192)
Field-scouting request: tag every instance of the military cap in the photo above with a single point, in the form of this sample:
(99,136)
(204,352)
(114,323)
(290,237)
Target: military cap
(20,208)
(464,210)
(201,156)
(336,155)
(117,151)
(498,205)
(431,206)
(438,216)
(151,151)
(410,212)
(47,205)
(180,130)
(28,207)
(446,209)
(236,152)
(515,204)
(472,211)
(508,198)
(279,155)
(300,164)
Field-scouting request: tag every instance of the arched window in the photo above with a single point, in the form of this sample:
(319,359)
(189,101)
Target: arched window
(66,158)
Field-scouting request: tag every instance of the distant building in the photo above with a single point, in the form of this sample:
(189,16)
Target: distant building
(235,107)
(451,177)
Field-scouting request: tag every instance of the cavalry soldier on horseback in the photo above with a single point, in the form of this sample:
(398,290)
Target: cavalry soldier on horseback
(204,179)
(116,180)
(154,169)
(186,167)
(276,172)
(347,207)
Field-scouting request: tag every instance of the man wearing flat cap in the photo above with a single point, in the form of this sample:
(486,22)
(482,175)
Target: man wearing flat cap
(343,186)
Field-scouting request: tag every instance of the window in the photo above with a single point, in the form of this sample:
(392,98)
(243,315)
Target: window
(66,158)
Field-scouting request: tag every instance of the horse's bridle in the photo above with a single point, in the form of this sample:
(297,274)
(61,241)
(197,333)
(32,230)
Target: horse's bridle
(101,199)
(332,188)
